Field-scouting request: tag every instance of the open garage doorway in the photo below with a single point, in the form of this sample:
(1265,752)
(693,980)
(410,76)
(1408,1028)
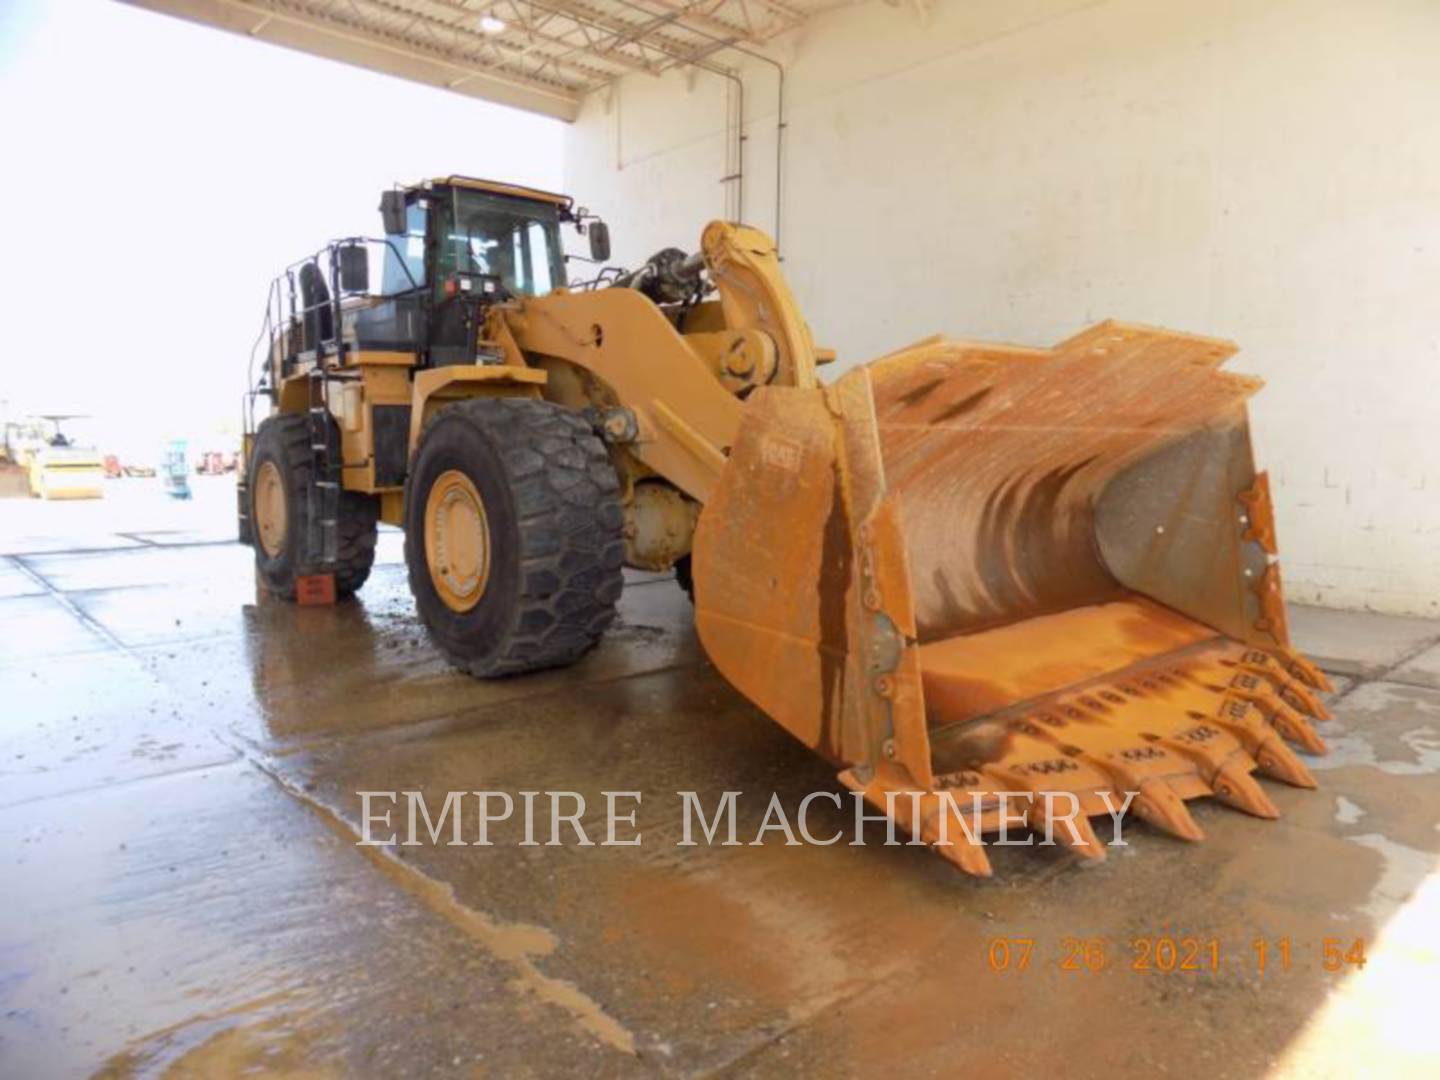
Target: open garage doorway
(159,175)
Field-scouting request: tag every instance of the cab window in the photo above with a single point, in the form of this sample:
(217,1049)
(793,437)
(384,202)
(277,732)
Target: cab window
(515,241)
(406,252)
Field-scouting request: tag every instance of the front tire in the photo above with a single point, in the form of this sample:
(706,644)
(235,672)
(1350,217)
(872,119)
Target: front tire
(278,489)
(513,535)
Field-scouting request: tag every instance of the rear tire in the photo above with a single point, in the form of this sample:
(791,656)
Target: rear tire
(519,505)
(277,488)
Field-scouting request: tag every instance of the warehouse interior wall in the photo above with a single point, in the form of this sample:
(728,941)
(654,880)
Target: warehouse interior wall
(1262,170)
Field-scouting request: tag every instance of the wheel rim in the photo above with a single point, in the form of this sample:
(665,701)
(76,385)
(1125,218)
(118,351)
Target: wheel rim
(457,540)
(270,515)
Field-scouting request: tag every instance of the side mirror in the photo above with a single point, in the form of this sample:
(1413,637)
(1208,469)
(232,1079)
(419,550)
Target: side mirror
(599,234)
(392,212)
(354,268)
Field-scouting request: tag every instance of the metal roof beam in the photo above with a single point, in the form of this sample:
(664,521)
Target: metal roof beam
(530,27)
(495,43)
(694,13)
(268,22)
(642,34)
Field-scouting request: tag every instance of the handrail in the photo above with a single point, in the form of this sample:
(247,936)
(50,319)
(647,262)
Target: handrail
(285,313)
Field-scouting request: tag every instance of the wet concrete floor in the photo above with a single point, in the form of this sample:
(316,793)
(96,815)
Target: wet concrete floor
(184,895)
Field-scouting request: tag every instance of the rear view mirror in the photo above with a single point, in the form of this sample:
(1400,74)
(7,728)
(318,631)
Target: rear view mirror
(599,234)
(354,268)
(392,212)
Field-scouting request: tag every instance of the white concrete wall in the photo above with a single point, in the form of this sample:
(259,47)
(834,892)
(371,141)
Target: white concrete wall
(1264,170)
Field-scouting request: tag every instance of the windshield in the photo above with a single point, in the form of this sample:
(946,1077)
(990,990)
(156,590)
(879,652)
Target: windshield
(516,240)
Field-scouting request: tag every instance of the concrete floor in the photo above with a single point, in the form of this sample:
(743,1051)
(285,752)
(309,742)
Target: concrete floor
(182,890)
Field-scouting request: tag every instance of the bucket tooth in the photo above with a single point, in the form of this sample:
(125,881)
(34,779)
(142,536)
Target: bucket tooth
(957,847)
(1282,716)
(1299,732)
(1159,806)
(1078,835)
(1244,721)
(954,844)
(1299,697)
(1072,831)
(1313,705)
(1302,668)
(1290,723)
(1234,786)
(1275,759)
(1290,687)
(1205,745)
(968,856)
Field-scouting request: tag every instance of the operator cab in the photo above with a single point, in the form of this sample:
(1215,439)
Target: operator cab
(452,248)
(457,245)
(481,237)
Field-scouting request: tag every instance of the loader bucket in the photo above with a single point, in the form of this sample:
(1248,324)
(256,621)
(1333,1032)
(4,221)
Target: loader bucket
(968,569)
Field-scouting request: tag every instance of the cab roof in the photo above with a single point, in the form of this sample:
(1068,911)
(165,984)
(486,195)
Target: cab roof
(495,187)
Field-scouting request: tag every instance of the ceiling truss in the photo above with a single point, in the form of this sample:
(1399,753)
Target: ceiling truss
(548,53)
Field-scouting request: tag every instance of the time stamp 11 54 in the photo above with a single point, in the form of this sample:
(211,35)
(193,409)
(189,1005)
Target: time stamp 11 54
(1167,954)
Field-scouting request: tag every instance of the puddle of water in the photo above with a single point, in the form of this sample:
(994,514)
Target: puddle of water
(1403,870)
(263,1037)
(1386,726)
(1347,812)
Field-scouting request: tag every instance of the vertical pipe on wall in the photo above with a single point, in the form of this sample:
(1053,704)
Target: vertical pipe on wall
(729,43)
(735,172)
(714,69)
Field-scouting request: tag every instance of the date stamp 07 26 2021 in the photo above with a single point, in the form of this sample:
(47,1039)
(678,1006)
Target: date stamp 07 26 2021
(1167,954)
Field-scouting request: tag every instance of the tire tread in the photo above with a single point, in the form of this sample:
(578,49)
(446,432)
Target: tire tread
(567,502)
(358,517)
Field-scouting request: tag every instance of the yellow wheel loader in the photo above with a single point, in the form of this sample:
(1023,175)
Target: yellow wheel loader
(964,573)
